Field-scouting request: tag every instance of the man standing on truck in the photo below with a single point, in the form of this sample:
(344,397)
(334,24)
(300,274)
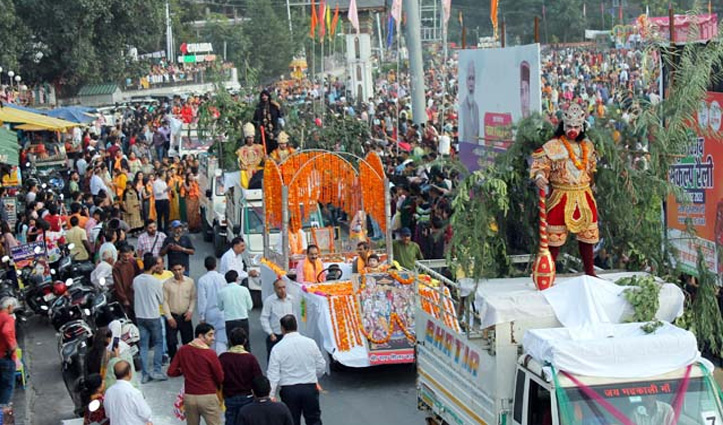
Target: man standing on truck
(267,115)
(284,150)
(567,163)
(249,155)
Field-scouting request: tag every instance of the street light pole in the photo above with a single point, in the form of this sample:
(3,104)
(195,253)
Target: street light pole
(11,74)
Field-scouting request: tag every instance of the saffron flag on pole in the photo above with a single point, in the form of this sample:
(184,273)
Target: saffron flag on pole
(320,20)
(397,12)
(312,32)
(354,15)
(335,20)
(493,15)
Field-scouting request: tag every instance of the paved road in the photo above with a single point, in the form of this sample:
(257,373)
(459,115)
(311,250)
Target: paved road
(380,396)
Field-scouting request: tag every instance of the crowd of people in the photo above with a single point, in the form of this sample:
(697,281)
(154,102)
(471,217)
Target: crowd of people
(124,185)
(164,74)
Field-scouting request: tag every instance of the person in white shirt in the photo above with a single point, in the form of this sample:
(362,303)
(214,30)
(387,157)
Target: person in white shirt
(275,307)
(97,184)
(233,259)
(295,365)
(163,205)
(104,270)
(209,285)
(124,404)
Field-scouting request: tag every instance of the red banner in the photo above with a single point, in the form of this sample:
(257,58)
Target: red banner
(701,183)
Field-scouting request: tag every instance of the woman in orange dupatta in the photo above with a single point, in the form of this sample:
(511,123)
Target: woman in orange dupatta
(192,193)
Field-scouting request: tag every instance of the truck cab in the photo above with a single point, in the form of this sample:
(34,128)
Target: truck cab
(213,202)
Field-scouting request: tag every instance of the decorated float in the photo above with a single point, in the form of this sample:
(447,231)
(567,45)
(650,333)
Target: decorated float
(361,319)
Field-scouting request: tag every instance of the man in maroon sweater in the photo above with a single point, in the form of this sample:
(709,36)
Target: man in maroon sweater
(203,374)
(239,369)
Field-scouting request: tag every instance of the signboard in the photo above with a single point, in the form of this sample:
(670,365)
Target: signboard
(196,58)
(384,303)
(13,179)
(187,48)
(11,210)
(153,55)
(23,256)
(493,98)
(701,181)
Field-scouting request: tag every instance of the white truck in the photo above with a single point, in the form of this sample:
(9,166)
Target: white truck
(525,357)
(213,202)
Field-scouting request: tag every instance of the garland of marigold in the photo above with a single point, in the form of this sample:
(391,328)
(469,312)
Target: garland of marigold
(400,279)
(570,153)
(276,269)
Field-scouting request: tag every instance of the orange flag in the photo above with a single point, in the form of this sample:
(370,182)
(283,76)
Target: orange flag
(335,20)
(313,19)
(493,15)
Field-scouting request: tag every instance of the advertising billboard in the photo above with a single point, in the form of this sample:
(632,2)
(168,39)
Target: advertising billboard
(498,87)
(701,184)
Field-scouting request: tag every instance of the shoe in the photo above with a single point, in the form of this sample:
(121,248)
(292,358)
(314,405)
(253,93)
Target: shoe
(160,377)
(166,359)
(146,379)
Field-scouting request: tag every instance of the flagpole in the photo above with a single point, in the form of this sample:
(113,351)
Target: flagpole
(399,55)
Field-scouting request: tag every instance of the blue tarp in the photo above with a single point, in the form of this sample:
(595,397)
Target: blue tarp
(72,113)
(68,113)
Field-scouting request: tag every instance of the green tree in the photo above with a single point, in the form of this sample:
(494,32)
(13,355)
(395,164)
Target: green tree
(88,39)
(14,36)
(271,46)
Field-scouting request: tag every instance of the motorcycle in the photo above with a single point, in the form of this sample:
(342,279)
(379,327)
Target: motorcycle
(70,296)
(74,344)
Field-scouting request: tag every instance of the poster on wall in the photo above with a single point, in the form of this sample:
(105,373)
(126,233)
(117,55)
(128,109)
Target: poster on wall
(386,303)
(492,98)
(701,185)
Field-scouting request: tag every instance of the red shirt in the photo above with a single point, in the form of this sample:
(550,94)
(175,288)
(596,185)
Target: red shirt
(200,367)
(7,334)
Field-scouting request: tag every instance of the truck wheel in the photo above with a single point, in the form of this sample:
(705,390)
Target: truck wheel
(219,242)
(205,228)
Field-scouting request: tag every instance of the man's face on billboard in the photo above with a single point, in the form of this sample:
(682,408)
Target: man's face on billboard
(471,77)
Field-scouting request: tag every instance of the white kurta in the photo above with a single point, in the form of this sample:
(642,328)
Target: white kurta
(209,285)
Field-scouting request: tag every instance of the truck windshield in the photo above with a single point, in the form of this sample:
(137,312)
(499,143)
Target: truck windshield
(219,186)
(255,222)
(642,403)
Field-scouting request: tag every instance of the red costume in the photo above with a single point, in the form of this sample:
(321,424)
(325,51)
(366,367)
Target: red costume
(567,164)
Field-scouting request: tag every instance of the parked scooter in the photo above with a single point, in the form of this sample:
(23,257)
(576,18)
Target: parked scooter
(74,344)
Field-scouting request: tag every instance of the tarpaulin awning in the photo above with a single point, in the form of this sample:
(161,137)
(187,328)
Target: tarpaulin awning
(10,114)
(9,147)
(77,114)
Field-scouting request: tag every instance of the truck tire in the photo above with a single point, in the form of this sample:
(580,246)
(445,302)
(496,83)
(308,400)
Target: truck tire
(205,228)
(219,242)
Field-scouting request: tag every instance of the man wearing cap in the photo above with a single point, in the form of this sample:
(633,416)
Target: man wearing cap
(284,150)
(406,252)
(178,247)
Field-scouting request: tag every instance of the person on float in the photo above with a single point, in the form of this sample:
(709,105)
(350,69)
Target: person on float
(567,164)
(360,263)
(297,242)
(284,150)
(249,155)
(310,270)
